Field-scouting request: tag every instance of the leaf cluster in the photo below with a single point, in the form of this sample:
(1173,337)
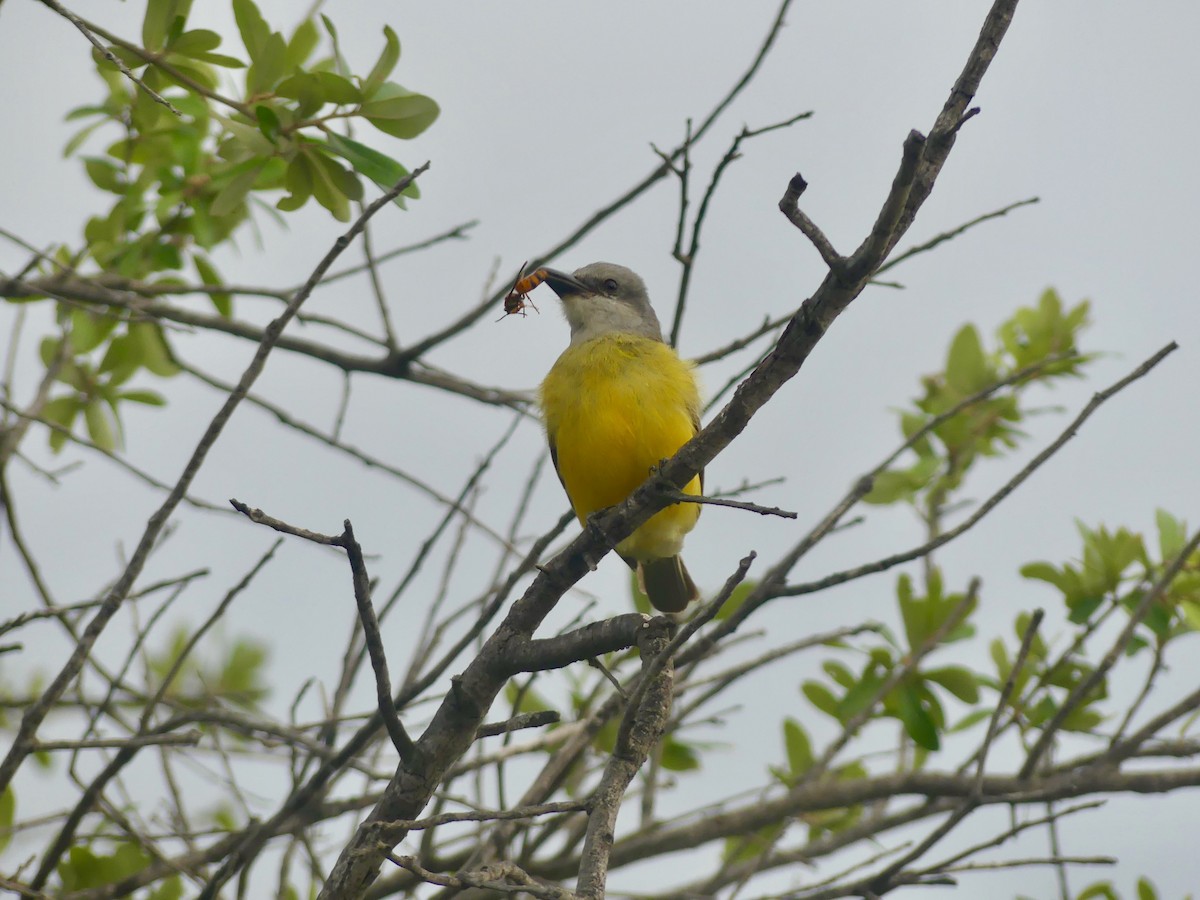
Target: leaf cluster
(184,186)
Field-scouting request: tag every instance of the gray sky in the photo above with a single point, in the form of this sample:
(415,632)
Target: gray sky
(548,112)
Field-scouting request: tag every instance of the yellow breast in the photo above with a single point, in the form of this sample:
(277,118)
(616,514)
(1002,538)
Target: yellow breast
(614,407)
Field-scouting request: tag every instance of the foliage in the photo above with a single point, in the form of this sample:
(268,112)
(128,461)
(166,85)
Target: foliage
(185,185)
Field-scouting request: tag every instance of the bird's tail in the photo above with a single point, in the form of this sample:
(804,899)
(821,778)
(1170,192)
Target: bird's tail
(667,583)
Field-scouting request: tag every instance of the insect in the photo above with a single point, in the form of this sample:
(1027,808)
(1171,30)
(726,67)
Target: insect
(518,298)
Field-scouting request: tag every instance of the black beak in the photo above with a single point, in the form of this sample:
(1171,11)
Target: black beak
(564,285)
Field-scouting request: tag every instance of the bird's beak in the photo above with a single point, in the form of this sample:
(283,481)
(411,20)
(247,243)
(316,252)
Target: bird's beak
(564,285)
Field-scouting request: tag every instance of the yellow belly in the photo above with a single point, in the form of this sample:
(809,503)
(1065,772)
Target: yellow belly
(615,407)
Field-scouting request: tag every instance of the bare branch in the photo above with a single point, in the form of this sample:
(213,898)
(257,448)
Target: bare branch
(644,722)
(112,602)
(789,205)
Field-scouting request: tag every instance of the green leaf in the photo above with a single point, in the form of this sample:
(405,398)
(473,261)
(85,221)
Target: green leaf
(161,16)
(338,90)
(841,675)
(104,174)
(305,88)
(200,40)
(1042,571)
(208,273)
(736,598)
(678,756)
(744,848)
(303,42)
(1082,719)
(966,368)
(61,411)
(83,868)
(315,89)
(917,721)
(894,485)
(380,168)
(168,889)
(970,720)
(8,812)
(270,66)
(958,680)
(268,121)
(798,746)
(1191,613)
(1145,889)
(524,699)
(252,27)
(327,186)
(298,181)
(386,62)
(398,112)
(80,136)
(234,193)
(860,697)
(240,680)
(820,697)
(1172,534)
(914,613)
(154,354)
(89,330)
(47,350)
(98,426)
(149,398)
(1082,610)
(1103,889)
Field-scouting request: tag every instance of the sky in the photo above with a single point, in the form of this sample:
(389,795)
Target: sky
(551,110)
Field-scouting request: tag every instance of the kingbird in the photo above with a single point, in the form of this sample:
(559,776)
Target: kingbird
(617,403)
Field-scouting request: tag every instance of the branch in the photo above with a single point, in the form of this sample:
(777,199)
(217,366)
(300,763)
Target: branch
(681,497)
(116,595)
(953,233)
(606,636)
(374,641)
(647,717)
(519,722)
(829,795)
(487,878)
(789,205)
(110,56)
(688,259)
(186,739)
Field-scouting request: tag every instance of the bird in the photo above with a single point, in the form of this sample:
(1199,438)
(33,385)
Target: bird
(615,404)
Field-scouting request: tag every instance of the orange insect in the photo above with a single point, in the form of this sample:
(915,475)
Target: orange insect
(518,298)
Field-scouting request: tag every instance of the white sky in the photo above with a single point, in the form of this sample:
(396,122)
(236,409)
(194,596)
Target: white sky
(548,111)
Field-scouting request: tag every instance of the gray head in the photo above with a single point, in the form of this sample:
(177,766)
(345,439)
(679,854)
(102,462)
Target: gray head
(603,298)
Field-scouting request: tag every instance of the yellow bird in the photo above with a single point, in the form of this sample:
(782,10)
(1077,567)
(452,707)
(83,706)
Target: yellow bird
(616,403)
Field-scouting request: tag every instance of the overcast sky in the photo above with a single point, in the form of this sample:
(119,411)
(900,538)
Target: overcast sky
(549,111)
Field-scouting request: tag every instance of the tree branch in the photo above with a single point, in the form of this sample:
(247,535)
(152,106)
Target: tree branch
(116,595)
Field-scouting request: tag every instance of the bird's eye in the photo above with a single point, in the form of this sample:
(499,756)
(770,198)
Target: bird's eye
(610,284)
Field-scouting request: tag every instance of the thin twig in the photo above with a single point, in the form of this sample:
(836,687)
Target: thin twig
(36,713)
(789,205)
(681,497)
(374,641)
(110,56)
